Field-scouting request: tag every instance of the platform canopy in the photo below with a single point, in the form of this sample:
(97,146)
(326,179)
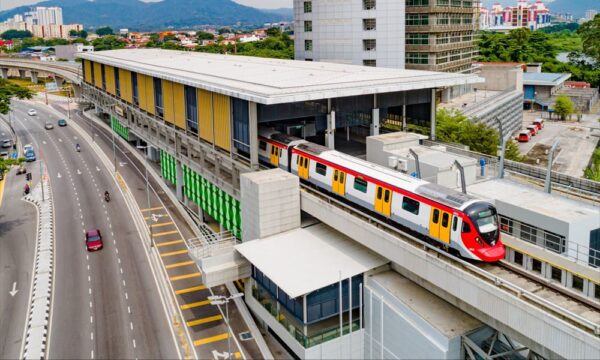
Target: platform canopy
(306,259)
(273,81)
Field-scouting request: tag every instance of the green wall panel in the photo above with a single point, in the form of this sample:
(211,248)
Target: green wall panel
(119,128)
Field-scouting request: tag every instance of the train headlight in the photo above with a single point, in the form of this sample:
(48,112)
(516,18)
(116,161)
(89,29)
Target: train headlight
(478,240)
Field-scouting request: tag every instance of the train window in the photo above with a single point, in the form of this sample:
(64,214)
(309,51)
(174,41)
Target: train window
(466,228)
(341,177)
(577,283)
(445,219)
(321,169)
(597,291)
(436,216)
(536,265)
(387,196)
(410,205)
(360,185)
(262,145)
(518,258)
(379,193)
(454,223)
(556,274)
(335,175)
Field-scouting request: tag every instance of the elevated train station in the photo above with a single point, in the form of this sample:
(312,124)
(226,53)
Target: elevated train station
(200,116)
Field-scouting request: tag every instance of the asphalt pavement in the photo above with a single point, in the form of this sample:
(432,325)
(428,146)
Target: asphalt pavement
(106,303)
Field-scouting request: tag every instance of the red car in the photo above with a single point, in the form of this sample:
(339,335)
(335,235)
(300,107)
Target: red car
(93,240)
(532,129)
(524,136)
(539,123)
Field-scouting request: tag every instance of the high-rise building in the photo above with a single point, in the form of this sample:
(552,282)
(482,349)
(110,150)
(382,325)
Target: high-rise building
(41,15)
(590,14)
(524,15)
(43,22)
(440,34)
(360,32)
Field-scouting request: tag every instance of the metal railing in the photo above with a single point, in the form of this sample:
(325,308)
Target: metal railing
(212,245)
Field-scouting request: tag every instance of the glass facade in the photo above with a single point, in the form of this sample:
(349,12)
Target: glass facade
(191,109)
(158,97)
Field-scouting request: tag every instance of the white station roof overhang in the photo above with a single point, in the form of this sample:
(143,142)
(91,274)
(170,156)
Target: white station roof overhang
(273,81)
(303,260)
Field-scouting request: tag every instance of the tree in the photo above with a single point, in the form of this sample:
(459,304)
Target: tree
(16,34)
(590,34)
(10,90)
(5,163)
(273,32)
(592,172)
(563,106)
(512,152)
(224,30)
(203,35)
(109,42)
(103,31)
(79,34)
(454,127)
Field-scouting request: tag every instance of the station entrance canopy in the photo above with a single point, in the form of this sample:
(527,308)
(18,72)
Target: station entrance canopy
(307,259)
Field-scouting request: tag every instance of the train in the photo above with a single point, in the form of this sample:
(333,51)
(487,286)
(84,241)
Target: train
(460,223)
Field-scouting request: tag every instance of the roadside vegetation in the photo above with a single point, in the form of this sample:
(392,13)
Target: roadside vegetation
(592,172)
(8,91)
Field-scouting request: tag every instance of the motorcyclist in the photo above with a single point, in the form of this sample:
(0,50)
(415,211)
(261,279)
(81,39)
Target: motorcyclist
(26,189)
(77,147)
(106,196)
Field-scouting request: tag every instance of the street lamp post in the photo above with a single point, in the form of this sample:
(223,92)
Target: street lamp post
(220,300)
(147,187)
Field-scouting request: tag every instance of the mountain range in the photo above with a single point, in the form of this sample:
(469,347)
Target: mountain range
(138,15)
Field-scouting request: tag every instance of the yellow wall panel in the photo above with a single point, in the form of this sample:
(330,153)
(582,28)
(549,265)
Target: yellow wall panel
(179,105)
(167,91)
(205,115)
(109,72)
(141,79)
(125,85)
(87,65)
(150,95)
(98,75)
(222,121)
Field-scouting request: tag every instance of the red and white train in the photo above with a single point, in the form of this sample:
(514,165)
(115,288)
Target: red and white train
(455,220)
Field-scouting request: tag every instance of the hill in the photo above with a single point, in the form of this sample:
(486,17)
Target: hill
(137,15)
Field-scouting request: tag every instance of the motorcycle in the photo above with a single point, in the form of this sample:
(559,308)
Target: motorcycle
(26,190)
(78,148)
(107,196)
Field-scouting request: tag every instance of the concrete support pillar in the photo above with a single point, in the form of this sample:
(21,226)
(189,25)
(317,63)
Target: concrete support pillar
(179,179)
(403,117)
(253,130)
(433,113)
(34,76)
(201,214)
(59,81)
(375,124)
(76,91)
(4,73)
(330,132)
(22,74)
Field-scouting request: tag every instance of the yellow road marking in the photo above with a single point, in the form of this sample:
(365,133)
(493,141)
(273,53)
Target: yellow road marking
(172,253)
(204,320)
(169,243)
(179,264)
(190,289)
(2,182)
(121,181)
(211,339)
(152,209)
(147,218)
(237,355)
(164,233)
(162,224)
(186,276)
(195,304)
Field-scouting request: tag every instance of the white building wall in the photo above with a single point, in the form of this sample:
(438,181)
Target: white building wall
(337,32)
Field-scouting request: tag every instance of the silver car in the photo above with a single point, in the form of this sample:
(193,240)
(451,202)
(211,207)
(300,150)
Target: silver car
(49,126)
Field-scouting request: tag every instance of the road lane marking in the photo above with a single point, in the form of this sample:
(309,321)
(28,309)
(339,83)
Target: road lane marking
(166,243)
(204,320)
(194,305)
(2,190)
(165,233)
(152,209)
(186,276)
(237,355)
(92,354)
(173,253)
(91,319)
(190,289)
(128,309)
(126,296)
(211,339)
(92,336)
(161,224)
(131,325)
(133,343)
(179,264)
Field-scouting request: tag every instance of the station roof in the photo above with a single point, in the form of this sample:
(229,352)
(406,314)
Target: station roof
(303,260)
(545,79)
(273,81)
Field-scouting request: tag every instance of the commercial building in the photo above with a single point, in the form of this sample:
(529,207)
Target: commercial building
(69,52)
(440,35)
(42,22)
(359,32)
(524,15)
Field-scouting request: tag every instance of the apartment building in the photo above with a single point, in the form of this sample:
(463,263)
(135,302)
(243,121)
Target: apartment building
(440,34)
(359,32)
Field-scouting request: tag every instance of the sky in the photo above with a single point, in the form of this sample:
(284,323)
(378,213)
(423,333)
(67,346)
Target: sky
(264,4)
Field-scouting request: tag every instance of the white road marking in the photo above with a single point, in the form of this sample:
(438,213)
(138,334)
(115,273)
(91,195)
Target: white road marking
(124,283)
(87,257)
(88,267)
(116,250)
(90,304)
(59,140)
(107,219)
(90,291)
(126,296)
(91,319)
(119,260)
(92,354)
(97,168)
(92,336)
(58,175)
(131,325)
(82,225)
(134,343)
(89,278)
(81,216)
(78,172)
(128,309)
(44,142)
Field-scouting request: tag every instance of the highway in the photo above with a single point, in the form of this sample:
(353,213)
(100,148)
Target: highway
(105,303)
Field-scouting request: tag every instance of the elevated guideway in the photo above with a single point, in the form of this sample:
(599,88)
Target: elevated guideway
(549,323)
(68,71)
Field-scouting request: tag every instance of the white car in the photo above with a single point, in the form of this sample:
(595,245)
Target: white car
(27,148)
(32,112)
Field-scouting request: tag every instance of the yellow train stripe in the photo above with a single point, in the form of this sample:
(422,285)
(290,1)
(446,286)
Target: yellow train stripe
(179,264)
(173,253)
(190,289)
(166,243)
(186,276)
(204,320)
(194,304)
(211,339)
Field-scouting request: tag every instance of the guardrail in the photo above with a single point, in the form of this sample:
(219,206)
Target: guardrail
(35,345)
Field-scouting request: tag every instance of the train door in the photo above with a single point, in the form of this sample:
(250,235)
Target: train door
(383,200)
(439,225)
(303,167)
(445,227)
(434,223)
(275,154)
(339,182)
